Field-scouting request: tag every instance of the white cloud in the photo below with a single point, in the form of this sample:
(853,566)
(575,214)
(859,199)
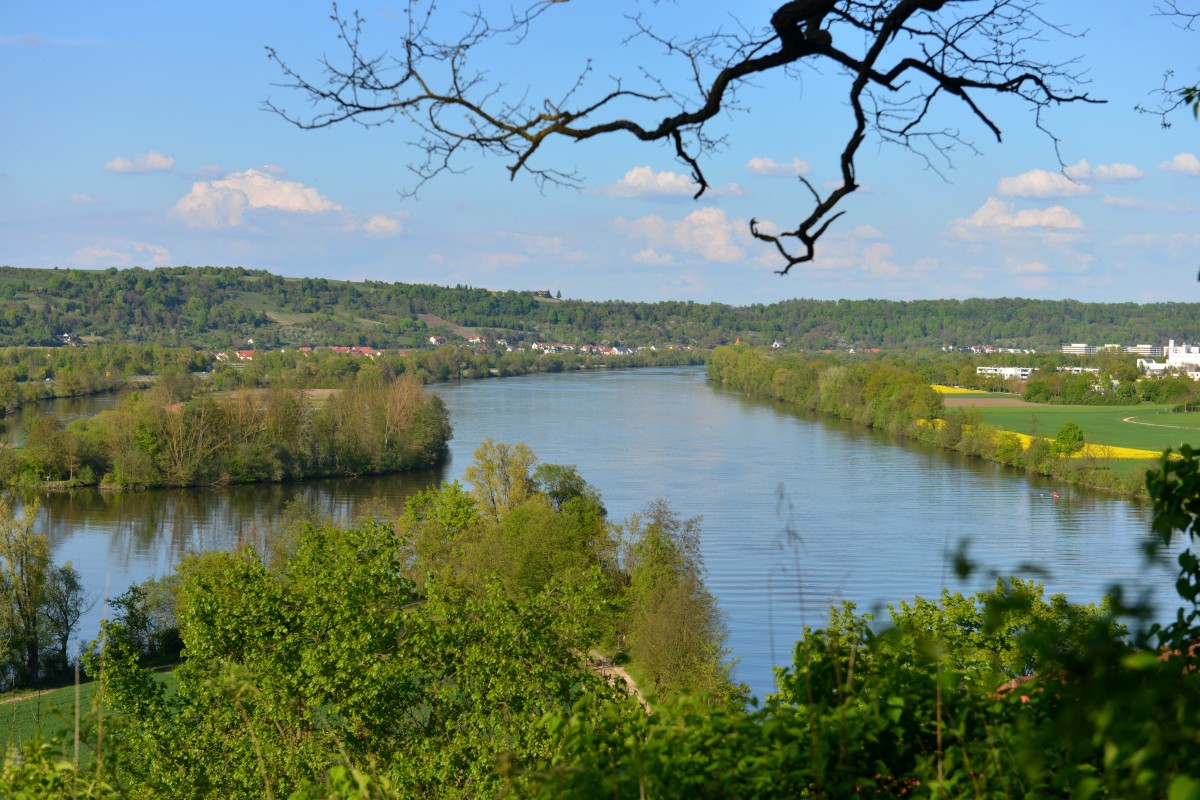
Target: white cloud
(85,199)
(706,232)
(1184,164)
(120,254)
(760,165)
(153,161)
(866,232)
(1040,183)
(651,256)
(863,249)
(1102,172)
(645,182)
(996,215)
(217,204)
(381,225)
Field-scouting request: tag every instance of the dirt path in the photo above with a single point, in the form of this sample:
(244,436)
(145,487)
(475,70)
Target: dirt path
(1133,421)
(610,670)
(29,696)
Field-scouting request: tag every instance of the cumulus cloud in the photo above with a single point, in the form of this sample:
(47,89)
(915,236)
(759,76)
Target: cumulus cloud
(1184,164)
(651,256)
(223,203)
(645,182)
(1108,173)
(1040,183)
(706,232)
(381,225)
(864,249)
(996,215)
(153,161)
(760,165)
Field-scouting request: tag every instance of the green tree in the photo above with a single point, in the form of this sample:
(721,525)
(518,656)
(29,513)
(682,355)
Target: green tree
(674,629)
(1069,439)
(500,477)
(24,573)
(66,601)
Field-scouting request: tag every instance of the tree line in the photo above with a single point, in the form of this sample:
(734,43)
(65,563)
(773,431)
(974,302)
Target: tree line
(31,374)
(164,436)
(213,307)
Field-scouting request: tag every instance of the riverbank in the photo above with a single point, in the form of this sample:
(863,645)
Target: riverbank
(889,397)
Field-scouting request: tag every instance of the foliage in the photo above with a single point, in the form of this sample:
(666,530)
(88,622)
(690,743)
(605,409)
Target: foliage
(1069,439)
(890,395)
(500,477)
(40,602)
(335,658)
(372,425)
(141,313)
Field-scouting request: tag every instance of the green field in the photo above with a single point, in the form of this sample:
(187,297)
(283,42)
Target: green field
(1143,427)
(52,712)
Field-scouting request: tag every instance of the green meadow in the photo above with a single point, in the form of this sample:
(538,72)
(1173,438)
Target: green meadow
(51,713)
(1142,427)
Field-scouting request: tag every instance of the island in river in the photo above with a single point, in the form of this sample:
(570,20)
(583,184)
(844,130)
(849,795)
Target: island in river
(165,437)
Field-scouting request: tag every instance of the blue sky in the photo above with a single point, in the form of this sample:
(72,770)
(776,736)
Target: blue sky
(134,134)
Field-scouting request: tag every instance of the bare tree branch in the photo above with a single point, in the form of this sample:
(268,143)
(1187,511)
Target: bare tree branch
(1172,96)
(902,60)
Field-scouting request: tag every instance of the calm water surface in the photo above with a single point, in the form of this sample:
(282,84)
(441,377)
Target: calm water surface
(797,513)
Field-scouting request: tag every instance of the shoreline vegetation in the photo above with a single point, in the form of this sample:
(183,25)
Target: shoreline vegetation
(165,437)
(888,396)
(285,415)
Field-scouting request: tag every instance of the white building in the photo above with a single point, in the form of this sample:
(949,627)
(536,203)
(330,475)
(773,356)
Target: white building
(1006,372)
(1181,356)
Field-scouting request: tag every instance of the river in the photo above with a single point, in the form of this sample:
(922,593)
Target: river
(797,512)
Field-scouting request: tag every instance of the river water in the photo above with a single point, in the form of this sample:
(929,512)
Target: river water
(797,512)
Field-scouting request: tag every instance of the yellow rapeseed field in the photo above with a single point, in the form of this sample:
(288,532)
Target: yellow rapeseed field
(1098,451)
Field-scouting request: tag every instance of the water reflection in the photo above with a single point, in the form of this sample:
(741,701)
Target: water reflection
(798,512)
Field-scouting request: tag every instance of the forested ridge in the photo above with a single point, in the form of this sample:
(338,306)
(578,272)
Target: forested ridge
(223,306)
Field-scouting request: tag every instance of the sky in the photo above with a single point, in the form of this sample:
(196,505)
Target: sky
(136,134)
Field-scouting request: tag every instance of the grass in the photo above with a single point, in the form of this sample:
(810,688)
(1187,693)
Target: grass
(52,712)
(289,317)
(1142,427)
